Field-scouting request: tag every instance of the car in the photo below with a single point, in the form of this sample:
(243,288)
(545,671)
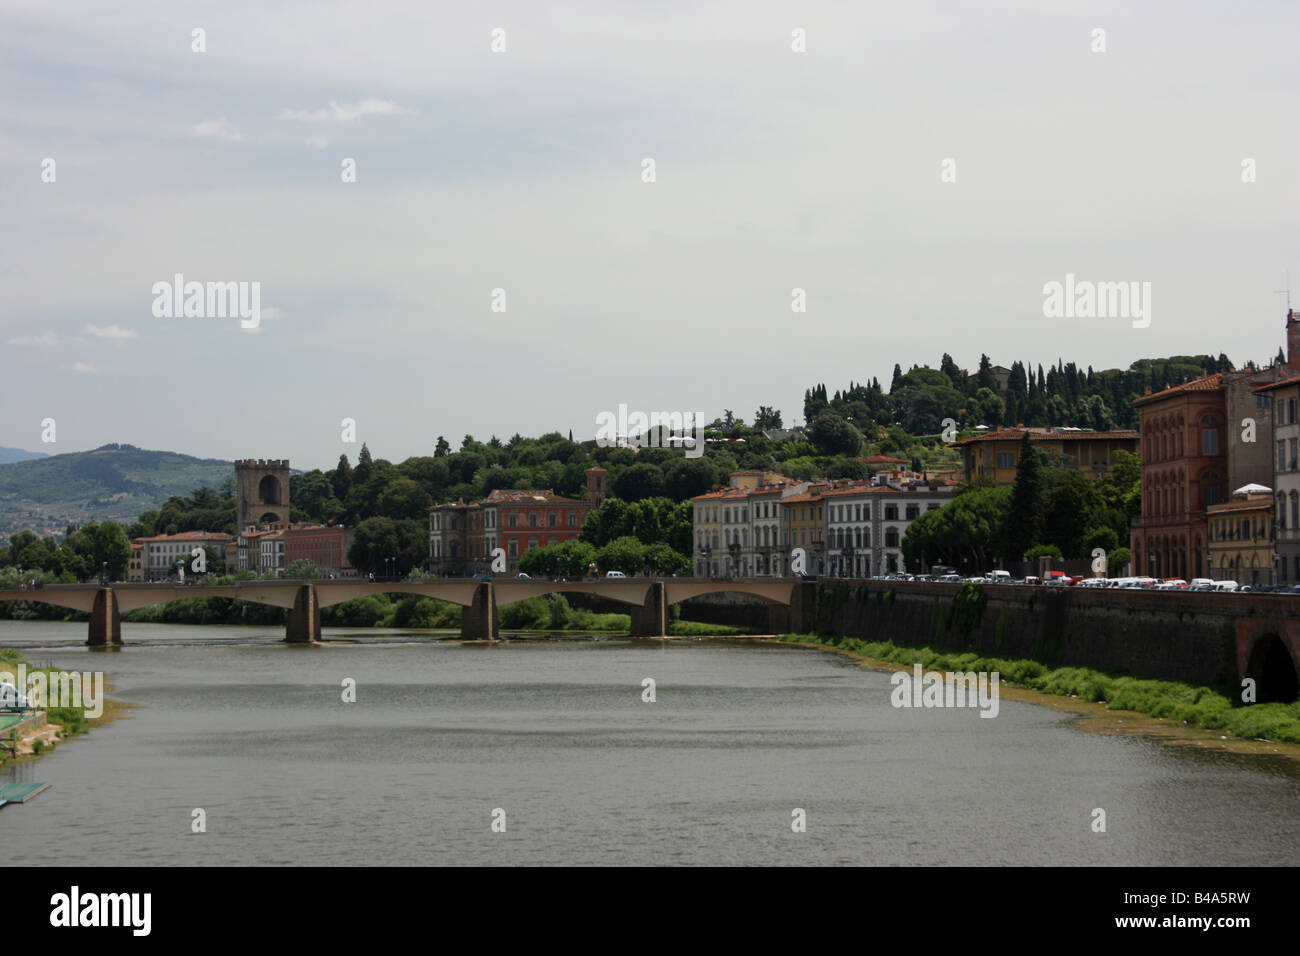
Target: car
(523,577)
(11,698)
(615,574)
(951,578)
(1033,579)
(998,577)
(480,576)
(1226,586)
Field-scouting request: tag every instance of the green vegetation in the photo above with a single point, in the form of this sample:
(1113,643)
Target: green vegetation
(1213,709)
(71,720)
(1075,514)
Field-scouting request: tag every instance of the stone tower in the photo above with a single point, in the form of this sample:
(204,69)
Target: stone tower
(595,486)
(263,491)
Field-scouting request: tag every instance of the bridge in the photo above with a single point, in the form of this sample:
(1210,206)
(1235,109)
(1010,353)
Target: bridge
(647,599)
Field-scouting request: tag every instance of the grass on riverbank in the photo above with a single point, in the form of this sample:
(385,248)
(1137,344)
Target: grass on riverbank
(1206,707)
(70,720)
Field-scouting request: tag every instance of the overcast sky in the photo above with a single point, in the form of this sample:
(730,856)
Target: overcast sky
(523,170)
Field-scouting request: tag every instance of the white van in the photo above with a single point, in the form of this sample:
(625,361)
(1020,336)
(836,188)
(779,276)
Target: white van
(1226,585)
(615,574)
(998,577)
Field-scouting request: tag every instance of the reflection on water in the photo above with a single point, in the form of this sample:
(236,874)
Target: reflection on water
(556,734)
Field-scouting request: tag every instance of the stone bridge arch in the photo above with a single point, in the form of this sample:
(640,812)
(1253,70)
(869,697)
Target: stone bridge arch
(1268,650)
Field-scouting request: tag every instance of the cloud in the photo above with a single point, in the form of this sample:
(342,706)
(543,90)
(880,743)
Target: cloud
(111,332)
(47,338)
(344,112)
(317,142)
(82,367)
(218,129)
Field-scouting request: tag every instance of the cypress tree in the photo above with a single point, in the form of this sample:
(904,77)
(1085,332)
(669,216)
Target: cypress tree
(1024,526)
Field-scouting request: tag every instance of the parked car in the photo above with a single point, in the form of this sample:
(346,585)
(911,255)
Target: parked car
(481,576)
(1226,586)
(615,574)
(998,577)
(11,698)
(1033,579)
(523,577)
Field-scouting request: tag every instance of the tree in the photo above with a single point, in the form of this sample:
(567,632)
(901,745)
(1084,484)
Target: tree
(342,480)
(403,498)
(639,481)
(766,418)
(625,554)
(832,435)
(109,544)
(1024,527)
(442,449)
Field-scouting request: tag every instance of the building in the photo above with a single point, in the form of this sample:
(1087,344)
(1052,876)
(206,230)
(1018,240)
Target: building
(1198,440)
(156,558)
(463,535)
(456,541)
(994,454)
(262,492)
(525,519)
(324,546)
(851,518)
(803,524)
(1184,472)
(769,560)
(1284,398)
(271,552)
(1241,538)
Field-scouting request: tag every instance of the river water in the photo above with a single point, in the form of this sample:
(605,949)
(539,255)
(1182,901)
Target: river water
(556,735)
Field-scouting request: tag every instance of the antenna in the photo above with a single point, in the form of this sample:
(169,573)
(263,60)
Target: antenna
(1286,292)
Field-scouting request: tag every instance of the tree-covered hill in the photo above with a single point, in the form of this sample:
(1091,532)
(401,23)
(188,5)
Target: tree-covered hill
(113,482)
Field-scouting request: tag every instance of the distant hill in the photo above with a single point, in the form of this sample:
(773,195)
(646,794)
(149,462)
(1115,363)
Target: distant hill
(114,482)
(8,455)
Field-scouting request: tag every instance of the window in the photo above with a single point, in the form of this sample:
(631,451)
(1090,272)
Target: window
(1209,435)
(514,548)
(1290,411)
(1006,459)
(573,519)
(1295,510)
(513,520)
(913,512)
(532,519)
(891,512)
(891,537)
(1281,455)
(552,519)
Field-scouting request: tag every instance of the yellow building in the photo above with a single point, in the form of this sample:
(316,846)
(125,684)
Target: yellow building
(803,525)
(1242,538)
(996,453)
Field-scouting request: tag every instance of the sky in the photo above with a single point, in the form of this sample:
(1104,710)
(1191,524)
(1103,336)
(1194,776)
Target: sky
(919,170)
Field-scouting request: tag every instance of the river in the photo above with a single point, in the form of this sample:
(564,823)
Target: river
(556,734)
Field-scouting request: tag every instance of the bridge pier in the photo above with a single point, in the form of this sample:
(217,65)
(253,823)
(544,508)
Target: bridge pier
(105,621)
(478,619)
(651,618)
(800,615)
(303,626)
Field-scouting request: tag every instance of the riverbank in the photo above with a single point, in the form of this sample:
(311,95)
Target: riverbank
(61,723)
(1171,711)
